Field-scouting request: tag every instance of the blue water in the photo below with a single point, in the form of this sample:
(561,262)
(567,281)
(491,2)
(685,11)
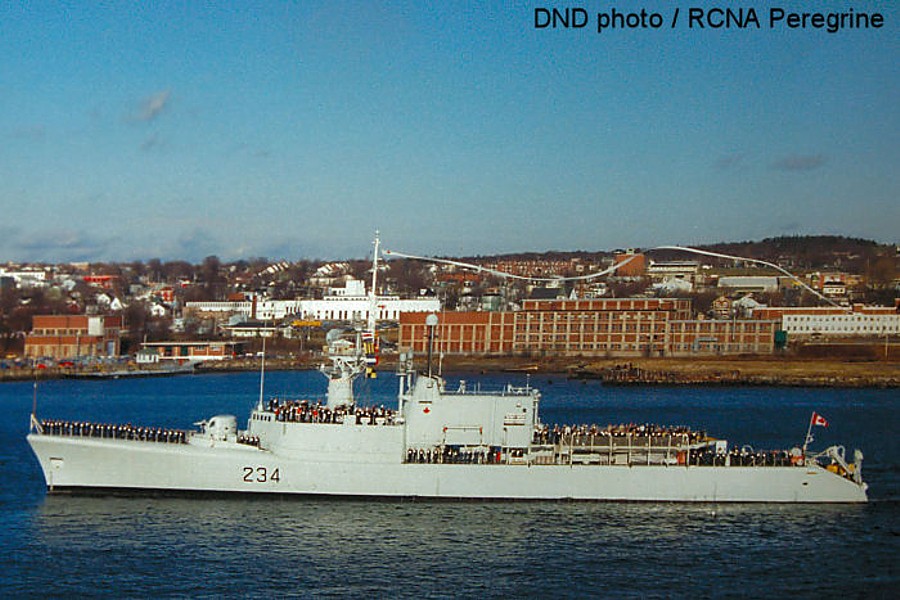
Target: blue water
(142,547)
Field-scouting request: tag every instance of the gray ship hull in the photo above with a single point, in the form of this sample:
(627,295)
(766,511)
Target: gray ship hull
(75,464)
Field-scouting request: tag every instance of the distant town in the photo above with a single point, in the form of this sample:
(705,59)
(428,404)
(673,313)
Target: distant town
(657,304)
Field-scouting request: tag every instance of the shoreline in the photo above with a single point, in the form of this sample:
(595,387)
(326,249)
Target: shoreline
(745,371)
(742,371)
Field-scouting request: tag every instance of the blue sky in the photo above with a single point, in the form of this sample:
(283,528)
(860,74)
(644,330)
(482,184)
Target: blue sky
(295,129)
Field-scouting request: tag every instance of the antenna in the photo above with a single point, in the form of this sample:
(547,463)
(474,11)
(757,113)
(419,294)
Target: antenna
(431,322)
(262,371)
(373,298)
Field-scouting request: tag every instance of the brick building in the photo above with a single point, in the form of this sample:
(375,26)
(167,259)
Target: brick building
(635,264)
(481,332)
(70,336)
(719,336)
(597,327)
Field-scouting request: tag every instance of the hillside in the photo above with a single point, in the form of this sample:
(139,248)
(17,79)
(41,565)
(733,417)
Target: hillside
(804,252)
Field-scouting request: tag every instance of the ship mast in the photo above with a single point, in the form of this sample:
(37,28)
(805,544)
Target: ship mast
(345,369)
(373,298)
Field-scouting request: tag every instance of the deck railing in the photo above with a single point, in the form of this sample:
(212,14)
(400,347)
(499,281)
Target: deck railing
(112,432)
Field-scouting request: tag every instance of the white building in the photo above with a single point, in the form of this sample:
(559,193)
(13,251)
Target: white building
(158,310)
(353,288)
(745,306)
(742,283)
(146,356)
(255,329)
(266,310)
(26,278)
(356,308)
(845,324)
(349,303)
(858,320)
(681,269)
(673,285)
(834,289)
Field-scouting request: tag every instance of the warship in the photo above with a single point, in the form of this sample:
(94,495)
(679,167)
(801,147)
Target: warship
(439,443)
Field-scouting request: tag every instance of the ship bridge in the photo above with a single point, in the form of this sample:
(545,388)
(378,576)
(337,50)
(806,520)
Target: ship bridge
(505,418)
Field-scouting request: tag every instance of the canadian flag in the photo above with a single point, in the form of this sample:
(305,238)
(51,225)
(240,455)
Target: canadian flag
(818,419)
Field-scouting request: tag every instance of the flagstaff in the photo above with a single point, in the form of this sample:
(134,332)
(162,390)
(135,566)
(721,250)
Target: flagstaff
(814,419)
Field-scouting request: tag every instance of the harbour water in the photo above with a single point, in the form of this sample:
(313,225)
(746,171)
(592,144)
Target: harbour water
(166,547)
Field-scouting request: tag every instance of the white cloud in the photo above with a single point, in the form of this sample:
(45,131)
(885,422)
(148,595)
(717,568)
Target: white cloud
(799,162)
(154,105)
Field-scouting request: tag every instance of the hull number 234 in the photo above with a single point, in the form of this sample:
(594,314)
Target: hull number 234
(261,475)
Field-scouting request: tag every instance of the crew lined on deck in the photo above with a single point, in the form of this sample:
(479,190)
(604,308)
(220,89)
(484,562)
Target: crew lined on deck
(586,435)
(116,432)
(454,455)
(303,411)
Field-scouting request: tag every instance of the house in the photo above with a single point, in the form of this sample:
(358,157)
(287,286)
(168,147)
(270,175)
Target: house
(746,305)
(158,310)
(722,308)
